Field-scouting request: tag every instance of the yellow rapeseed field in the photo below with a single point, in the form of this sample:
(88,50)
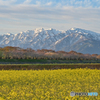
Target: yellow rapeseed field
(49,84)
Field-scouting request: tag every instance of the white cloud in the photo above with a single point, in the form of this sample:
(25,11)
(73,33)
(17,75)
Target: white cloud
(38,3)
(87,3)
(7,2)
(79,3)
(27,1)
(58,5)
(24,16)
(49,3)
(64,13)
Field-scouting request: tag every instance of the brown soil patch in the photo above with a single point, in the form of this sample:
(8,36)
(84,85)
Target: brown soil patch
(47,67)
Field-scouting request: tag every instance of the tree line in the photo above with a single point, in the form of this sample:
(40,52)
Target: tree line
(19,53)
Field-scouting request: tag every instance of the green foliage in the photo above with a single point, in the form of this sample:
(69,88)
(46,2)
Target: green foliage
(1,54)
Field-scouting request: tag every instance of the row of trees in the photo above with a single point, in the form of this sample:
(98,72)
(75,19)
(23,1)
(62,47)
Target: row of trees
(18,53)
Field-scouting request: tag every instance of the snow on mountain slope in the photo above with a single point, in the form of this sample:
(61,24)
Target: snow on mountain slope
(86,33)
(73,39)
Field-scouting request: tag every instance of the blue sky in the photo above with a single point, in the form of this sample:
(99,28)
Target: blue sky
(22,15)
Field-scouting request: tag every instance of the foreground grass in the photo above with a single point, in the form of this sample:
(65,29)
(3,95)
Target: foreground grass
(48,84)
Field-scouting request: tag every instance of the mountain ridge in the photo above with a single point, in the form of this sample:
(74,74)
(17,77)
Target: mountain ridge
(79,40)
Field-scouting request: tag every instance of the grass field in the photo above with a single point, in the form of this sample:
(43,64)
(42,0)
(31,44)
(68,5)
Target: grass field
(48,84)
(47,61)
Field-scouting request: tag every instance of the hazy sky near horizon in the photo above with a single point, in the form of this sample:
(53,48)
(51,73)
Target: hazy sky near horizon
(22,15)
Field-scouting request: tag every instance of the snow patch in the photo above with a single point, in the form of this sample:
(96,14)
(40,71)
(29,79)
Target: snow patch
(6,42)
(73,28)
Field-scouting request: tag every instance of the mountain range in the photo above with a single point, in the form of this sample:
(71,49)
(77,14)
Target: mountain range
(76,39)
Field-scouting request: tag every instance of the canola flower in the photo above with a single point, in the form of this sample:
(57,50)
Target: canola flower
(49,84)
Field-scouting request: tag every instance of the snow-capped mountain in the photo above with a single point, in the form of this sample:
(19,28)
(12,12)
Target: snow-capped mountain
(76,39)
